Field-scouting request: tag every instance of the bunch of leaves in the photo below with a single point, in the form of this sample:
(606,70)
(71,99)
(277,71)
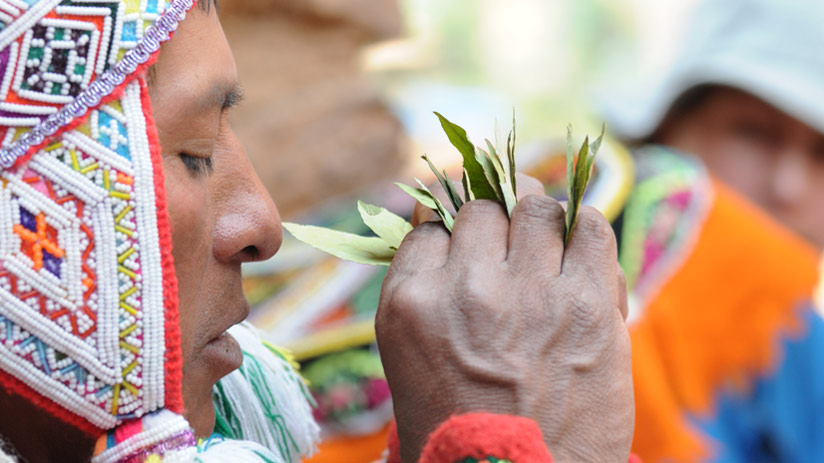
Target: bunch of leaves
(485,176)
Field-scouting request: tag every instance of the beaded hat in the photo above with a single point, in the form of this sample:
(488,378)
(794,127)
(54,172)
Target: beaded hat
(88,304)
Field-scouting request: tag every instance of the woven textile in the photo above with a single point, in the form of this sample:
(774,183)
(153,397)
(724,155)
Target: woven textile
(88,305)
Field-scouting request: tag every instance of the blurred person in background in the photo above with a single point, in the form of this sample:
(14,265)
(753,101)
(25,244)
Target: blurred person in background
(745,96)
(728,150)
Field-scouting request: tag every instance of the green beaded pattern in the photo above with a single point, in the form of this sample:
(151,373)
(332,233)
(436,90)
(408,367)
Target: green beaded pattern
(663,215)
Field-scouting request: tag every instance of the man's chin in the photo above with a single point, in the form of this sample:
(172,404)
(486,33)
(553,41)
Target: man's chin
(217,359)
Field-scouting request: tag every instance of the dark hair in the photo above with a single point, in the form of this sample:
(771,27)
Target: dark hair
(687,102)
(692,98)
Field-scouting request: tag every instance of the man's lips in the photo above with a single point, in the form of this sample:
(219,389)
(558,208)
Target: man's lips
(223,351)
(223,354)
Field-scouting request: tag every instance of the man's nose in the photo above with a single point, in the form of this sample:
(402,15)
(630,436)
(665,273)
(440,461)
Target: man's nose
(247,227)
(791,177)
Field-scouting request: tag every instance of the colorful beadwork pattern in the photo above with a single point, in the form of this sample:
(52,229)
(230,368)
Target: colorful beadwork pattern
(56,331)
(662,217)
(161,436)
(88,305)
(60,58)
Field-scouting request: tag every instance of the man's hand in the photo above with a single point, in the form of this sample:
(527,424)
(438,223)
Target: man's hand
(500,317)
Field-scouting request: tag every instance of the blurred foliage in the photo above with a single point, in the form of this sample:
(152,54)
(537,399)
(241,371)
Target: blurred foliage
(474,59)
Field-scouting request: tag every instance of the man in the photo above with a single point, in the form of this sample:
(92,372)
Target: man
(129,206)
(725,338)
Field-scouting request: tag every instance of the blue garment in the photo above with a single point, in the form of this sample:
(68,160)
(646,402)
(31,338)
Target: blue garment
(782,417)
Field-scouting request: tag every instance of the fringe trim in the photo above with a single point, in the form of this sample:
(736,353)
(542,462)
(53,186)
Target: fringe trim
(220,450)
(266,401)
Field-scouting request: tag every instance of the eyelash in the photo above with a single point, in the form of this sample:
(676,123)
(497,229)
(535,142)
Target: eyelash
(196,164)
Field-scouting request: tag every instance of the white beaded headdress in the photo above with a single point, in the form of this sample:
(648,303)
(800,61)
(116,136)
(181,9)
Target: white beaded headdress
(88,303)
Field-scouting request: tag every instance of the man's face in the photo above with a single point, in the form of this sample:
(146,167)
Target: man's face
(221,215)
(774,159)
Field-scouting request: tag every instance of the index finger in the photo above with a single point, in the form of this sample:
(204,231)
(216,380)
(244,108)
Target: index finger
(425,247)
(423,214)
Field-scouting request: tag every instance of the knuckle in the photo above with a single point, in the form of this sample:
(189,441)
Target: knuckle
(622,277)
(540,207)
(593,223)
(407,305)
(423,232)
(475,294)
(595,230)
(480,207)
(588,310)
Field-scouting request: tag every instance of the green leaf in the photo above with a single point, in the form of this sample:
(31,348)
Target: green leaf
(578,178)
(510,154)
(453,192)
(495,158)
(505,187)
(490,174)
(465,182)
(425,197)
(355,248)
(576,182)
(509,198)
(388,226)
(595,146)
(419,196)
(481,188)
(570,163)
(447,218)
(581,165)
(446,184)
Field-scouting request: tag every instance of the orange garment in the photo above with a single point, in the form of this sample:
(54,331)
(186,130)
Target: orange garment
(360,449)
(715,323)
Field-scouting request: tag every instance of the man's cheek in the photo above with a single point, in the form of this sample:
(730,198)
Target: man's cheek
(188,219)
(190,250)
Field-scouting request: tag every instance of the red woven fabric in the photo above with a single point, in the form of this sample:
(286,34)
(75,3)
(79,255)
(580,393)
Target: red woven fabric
(460,436)
(393,444)
(481,435)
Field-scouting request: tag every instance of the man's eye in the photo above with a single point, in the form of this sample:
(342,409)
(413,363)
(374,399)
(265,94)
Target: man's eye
(197,164)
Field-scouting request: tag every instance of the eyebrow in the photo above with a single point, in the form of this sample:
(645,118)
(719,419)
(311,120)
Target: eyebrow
(233,96)
(223,95)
